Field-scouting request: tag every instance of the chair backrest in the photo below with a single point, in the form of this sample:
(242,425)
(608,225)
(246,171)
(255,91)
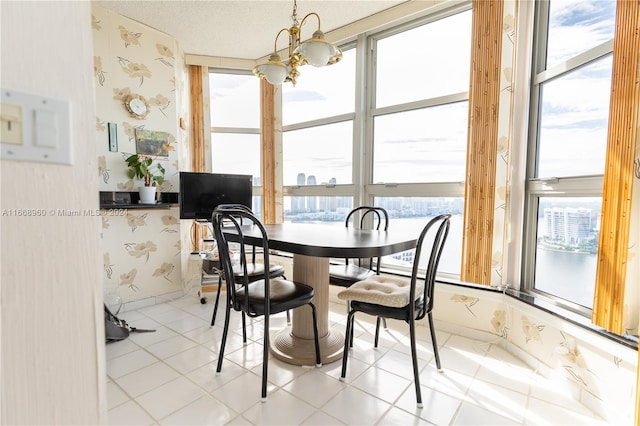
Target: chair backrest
(243,207)
(378,215)
(434,233)
(230,221)
(370,217)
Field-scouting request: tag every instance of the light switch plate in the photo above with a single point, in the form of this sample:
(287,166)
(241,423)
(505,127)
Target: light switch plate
(112,129)
(46,129)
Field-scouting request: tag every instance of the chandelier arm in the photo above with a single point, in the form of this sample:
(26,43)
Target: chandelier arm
(305,18)
(275,43)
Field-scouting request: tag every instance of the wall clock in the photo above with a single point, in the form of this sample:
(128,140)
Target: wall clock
(137,106)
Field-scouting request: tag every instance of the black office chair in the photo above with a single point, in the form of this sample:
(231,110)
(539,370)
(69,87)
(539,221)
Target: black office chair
(346,274)
(263,297)
(407,299)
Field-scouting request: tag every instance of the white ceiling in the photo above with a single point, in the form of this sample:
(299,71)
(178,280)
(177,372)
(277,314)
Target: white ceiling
(244,29)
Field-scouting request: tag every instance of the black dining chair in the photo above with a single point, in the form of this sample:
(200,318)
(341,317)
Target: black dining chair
(347,274)
(255,270)
(401,298)
(255,298)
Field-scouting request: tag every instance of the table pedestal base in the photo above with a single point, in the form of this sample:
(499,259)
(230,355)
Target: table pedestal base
(297,351)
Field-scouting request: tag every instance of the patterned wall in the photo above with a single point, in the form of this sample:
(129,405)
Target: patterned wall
(141,247)
(598,372)
(504,131)
(632,291)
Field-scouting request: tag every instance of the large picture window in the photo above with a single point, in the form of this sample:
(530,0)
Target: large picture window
(321,153)
(235,118)
(420,127)
(235,132)
(318,116)
(570,98)
(424,145)
(384,126)
(406,69)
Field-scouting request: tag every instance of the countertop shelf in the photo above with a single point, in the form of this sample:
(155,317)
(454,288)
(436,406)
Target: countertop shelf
(137,206)
(129,200)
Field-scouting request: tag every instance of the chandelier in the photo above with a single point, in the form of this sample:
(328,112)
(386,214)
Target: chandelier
(315,51)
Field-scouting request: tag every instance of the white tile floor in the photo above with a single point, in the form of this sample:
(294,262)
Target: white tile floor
(168,377)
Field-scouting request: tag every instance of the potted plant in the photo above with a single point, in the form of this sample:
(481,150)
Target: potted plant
(152,175)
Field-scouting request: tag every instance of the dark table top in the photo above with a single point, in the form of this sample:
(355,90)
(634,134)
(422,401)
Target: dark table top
(333,241)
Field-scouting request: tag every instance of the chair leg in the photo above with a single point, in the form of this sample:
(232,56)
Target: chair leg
(353,318)
(224,336)
(414,358)
(244,329)
(384,323)
(434,342)
(215,307)
(265,358)
(347,338)
(315,334)
(375,340)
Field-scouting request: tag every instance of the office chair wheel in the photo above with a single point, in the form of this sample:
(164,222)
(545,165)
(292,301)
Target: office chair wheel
(203,300)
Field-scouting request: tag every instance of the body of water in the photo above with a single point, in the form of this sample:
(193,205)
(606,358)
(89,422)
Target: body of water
(568,275)
(564,274)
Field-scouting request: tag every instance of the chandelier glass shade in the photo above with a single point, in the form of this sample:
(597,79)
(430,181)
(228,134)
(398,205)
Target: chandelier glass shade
(316,51)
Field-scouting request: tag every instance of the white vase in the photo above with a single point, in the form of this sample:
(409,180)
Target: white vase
(147,194)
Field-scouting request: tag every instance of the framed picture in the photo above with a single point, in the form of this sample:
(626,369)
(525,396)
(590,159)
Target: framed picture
(151,142)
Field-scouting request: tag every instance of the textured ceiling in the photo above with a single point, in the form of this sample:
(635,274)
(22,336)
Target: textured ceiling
(244,29)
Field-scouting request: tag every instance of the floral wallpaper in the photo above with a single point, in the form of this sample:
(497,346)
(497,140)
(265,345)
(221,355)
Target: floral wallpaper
(141,247)
(130,58)
(142,253)
(632,292)
(504,142)
(599,372)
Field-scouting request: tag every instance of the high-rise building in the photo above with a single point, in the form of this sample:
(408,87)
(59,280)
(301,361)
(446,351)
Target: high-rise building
(312,202)
(568,225)
(298,203)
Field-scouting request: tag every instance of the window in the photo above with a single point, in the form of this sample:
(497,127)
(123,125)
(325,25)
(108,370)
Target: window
(388,129)
(424,145)
(317,140)
(406,69)
(235,118)
(321,153)
(574,120)
(568,138)
(235,131)
(419,128)
(567,244)
(412,214)
(314,209)
(321,92)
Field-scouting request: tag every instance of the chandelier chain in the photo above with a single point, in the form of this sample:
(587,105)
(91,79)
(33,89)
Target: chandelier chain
(294,16)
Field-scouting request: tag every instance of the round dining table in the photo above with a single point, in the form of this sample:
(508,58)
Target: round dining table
(312,245)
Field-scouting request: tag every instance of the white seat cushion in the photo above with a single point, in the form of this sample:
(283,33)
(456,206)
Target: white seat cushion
(382,290)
